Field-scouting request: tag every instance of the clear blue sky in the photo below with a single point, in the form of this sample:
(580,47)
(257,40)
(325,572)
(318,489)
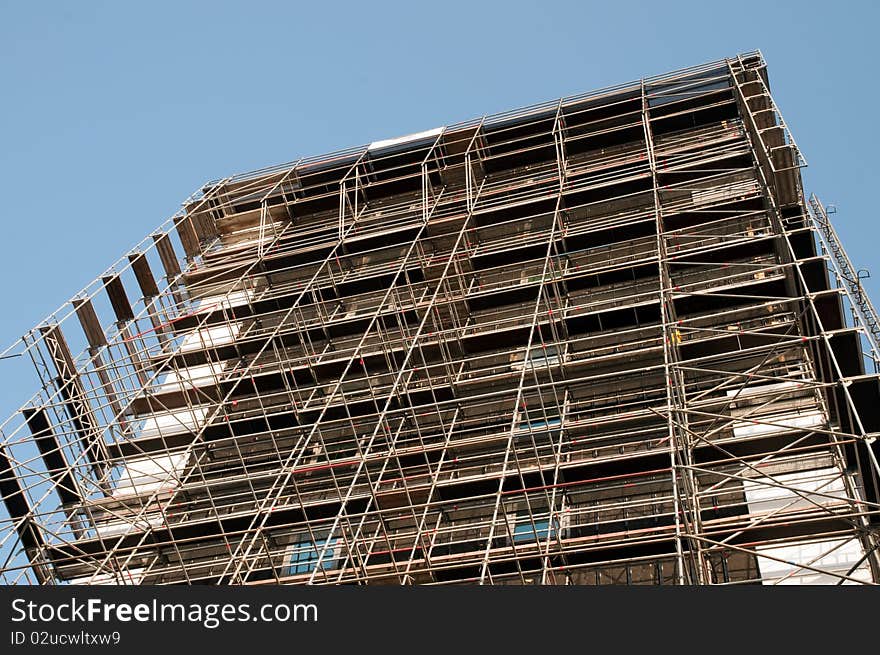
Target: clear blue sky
(113,112)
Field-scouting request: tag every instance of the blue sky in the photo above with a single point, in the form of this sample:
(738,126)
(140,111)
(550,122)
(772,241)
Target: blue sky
(113,113)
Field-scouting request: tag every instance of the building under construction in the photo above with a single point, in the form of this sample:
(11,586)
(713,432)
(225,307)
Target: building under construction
(600,340)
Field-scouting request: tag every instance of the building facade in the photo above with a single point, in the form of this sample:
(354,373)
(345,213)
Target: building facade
(601,340)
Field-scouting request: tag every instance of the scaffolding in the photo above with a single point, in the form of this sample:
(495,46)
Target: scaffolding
(600,340)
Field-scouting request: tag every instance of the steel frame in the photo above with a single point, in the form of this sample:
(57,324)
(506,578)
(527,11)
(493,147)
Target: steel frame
(598,340)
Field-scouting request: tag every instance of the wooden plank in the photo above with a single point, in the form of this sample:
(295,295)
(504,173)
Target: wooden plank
(188,237)
(50,450)
(88,319)
(118,298)
(144,274)
(456,142)
(96,338)
(167,255)
(204,224)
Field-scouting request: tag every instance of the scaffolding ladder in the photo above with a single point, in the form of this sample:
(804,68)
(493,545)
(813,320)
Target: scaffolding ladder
(866,314)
